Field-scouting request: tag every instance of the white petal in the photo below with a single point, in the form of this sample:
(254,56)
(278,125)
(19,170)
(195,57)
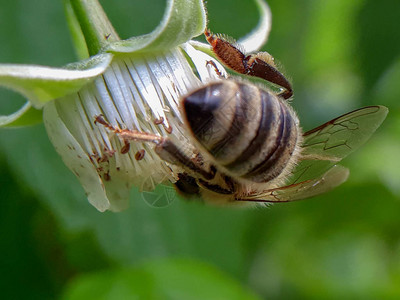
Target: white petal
(131,94)
(75,157)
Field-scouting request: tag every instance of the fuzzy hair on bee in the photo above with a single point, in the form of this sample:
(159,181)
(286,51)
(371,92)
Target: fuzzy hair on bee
(248,134)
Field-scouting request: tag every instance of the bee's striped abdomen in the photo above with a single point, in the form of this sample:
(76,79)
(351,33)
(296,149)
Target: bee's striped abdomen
(248,131)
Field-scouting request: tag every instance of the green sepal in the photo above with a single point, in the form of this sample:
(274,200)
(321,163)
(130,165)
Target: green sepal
(253,41)
(94,24)
(41,84)
(26,115)
(259,35)
(183,20)
(78,39)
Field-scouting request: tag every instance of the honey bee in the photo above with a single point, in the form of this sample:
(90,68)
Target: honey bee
(247,143)
(248,146)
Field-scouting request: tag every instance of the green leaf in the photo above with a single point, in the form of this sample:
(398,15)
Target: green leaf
(165,279)
(183,20)
(26,115)
(41,84)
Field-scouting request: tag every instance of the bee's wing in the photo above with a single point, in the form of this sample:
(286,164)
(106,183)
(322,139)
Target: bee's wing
(335,176)
(157,194)
(162,196)
(329,143)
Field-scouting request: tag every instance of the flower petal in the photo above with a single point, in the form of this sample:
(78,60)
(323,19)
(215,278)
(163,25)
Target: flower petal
(182,20)
(26,115)
(259,36)
(41,84)
(75,157)
(134,93)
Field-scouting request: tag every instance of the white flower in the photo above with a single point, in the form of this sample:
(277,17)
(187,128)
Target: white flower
(134,84)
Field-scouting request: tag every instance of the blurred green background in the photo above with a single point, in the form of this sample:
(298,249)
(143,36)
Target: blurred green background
(340,55)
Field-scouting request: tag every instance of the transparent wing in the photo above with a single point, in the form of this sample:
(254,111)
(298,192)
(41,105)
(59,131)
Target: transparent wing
(329,143)
(335,176)
(157,194)
(161,196)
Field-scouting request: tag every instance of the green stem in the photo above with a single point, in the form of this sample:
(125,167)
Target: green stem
(94,24)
